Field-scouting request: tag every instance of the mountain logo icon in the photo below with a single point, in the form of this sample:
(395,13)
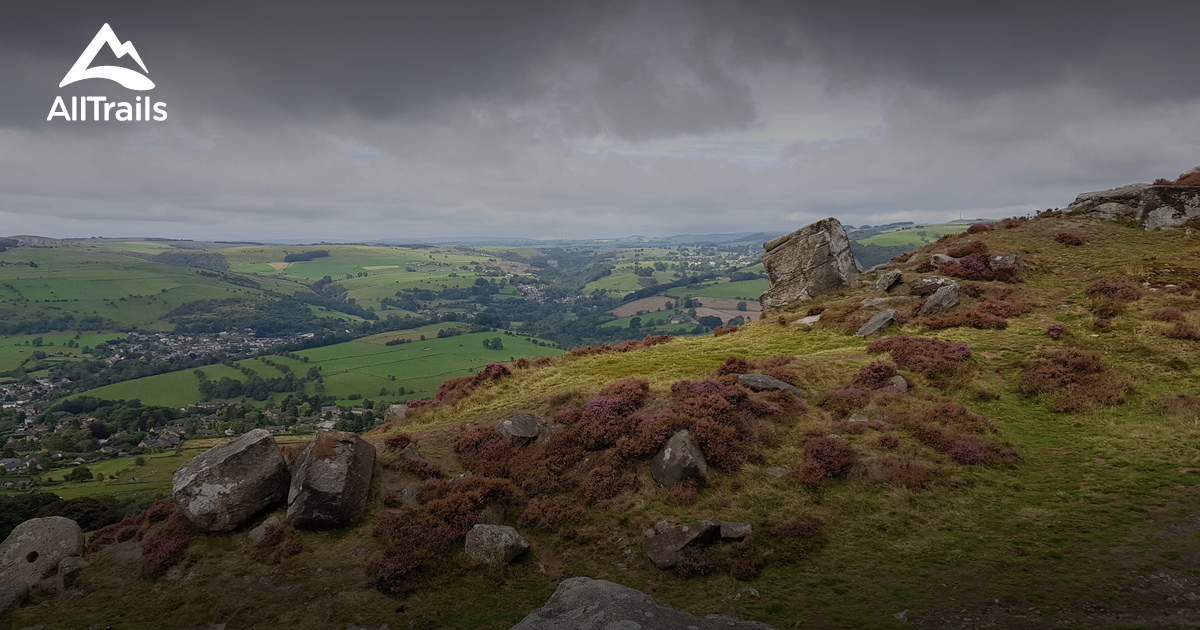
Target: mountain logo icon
(128,78)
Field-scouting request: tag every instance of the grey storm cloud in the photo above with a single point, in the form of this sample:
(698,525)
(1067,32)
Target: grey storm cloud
(591,118)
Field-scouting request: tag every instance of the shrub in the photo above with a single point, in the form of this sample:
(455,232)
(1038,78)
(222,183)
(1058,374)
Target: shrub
(413,545)
(1010,223)
(888,441)
(397,441)
(420,467)
(958,416)
(1074,380)
(931,357)
(925,267)
(746,563)
(1183,331)
(694,561)
(979,228)
(1054,331)
(602,421)
(606,480)
(724,330)
(972,449)
(484,451)
(1189,179)
(905,473)
(452,390)
(794,540)
(875,375)
(685,493)
(1068,239)
(824,457)
(1120,291)
(967,249)
(633,391)
(552,515)
(1167,315)
(964,319)
(902,258)
(970,267)
(160,554)
(457,505)
(841,401)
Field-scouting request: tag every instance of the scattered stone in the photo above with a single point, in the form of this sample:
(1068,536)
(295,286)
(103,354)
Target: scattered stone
(943,300)
(228,484)
(663,549)
(459,477)
(887,280)
(894,301)
(735,529)
(777,471)
(762,382)
(878,322)
(583,603)
(811,261)
(679,459)
(258,534)
(12,596)
(396,414)
(662,526)
(34,548)
(519,429)
(901,616)
(409,493)
(858,417)
(747,593)
(412,451)
(896,383)
(930,285)
(941,260)
(68,572)
(811,320)
(494,544)
(331,480)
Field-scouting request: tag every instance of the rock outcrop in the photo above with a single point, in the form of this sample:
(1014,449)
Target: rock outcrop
(762,383)
(396,414)
(494,544)
(888,279)
(35,548)
(330,480)
(929,285)
(12,596)
(69,571)
(520,429)
(1155,207)
(813,260)
(583,603)
(228,484)
(679,459)
(943,300)
(878,322)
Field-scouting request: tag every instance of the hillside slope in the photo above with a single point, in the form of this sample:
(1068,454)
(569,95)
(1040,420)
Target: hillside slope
(1043,471)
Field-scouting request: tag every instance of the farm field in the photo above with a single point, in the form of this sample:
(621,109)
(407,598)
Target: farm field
(360,368)
(14,351)
(917,235)
(747,290)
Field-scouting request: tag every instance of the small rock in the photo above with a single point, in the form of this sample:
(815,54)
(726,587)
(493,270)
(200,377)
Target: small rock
(661,526)
(494,544)
(901,616)
(930,285)
(680,459)
(941,260)
(809,320)
(762,382)
(520,429)
(1006,261)
(943,300)
(459,477)
(886,280)
(663,549)
(258,534)
(896,383)
(34,548)
(777,471)
(748,593)
(68,572)
(880,321)
(735,529)
(396,414)
(858,417)
(412,451)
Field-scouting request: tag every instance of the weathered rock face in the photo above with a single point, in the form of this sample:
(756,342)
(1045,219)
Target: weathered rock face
(943,300)
(228,484)
(878,322)
(396,414)
(813,260)
(887,280)
(68,572)
(941,260)
(33,550)
(663,548)
(896,383)
(330,480)
(494,544)
(680,459)
(762,382)
(1155,207)
(519,429)
(583,603)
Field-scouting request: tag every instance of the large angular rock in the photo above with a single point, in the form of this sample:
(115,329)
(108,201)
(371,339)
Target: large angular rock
(1000,262)
(228,484)
(679,459)
(888,279)
(813,260)
(494,544)
(663,548)
(1154,207)
(943,300)
(330,480)
(33,550)
(519,429)
(762,382)
(395,414)
(586,604)
(878,322)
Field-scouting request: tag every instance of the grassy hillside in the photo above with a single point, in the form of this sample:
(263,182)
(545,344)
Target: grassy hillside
(1040,480)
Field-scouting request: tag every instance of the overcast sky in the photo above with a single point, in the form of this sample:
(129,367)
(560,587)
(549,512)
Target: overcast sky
(392,119)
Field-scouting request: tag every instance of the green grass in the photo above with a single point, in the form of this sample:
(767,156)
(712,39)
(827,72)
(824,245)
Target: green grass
(120,474)
(748,290)
(14,352)
(173,389)
(917,235)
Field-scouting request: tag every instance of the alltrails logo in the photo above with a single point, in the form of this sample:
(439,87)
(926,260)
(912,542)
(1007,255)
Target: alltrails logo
(101,109)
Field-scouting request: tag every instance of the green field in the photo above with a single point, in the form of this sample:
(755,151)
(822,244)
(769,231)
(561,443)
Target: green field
(362,368)
(741,290)
(120,475)
(920,234)
(14,351)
